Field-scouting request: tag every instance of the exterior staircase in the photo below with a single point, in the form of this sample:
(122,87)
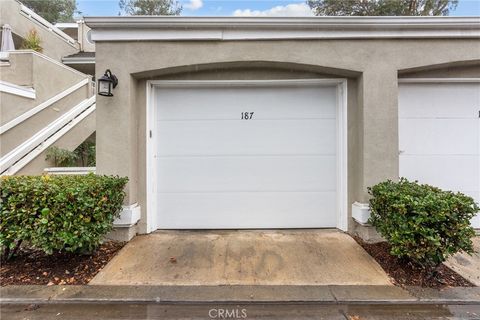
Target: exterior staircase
(56,44)
(43,103)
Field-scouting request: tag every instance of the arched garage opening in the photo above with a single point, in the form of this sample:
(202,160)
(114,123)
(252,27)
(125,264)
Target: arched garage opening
(246,147)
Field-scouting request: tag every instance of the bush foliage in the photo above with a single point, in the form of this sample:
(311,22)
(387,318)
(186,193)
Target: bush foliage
(61,157)
(82,156)
(422,223)
(56,213)
(32,41)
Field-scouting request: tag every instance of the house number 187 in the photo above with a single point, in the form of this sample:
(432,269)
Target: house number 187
(247,115)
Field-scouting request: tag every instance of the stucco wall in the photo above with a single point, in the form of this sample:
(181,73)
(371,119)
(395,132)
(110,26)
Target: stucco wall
(85,45)
(371,65)
(19,71)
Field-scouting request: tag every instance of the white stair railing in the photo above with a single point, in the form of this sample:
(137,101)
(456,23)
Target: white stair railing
(30,14)
(16,159)
(20,91)
(31,112)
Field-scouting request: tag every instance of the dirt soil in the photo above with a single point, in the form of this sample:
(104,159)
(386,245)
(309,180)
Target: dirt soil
(404,273)
(33,267)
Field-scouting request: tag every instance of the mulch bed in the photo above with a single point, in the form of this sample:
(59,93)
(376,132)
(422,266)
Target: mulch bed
(403,273)
(33,267)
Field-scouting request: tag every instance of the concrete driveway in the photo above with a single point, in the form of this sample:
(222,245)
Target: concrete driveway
(468,266)
(279,257)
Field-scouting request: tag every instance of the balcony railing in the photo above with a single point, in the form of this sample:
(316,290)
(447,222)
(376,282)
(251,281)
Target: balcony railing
(47,25)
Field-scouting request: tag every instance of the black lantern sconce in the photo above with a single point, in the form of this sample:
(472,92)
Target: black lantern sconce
(107,83)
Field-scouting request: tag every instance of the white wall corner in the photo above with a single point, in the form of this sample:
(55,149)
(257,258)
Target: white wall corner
(361,212)
(129,216)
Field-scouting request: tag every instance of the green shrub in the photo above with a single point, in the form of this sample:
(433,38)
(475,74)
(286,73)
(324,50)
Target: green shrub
(82,156)
(58,213)
(32,41)
(86,154)
(61,157)
(422,223)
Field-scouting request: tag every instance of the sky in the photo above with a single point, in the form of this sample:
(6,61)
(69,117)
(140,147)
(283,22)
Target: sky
(243,8)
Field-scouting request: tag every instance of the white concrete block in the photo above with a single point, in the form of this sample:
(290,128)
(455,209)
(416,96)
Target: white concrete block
(360,212)
(129,216)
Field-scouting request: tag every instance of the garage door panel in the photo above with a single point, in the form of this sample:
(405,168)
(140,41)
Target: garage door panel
(475,194)
(247,210)
(438,100)
(456,173)
(476,221)
(439,136)
(227,174)
(275,170)
(227,103)
(247,137)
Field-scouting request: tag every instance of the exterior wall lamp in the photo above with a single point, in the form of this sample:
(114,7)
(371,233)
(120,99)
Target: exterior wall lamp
(107,83)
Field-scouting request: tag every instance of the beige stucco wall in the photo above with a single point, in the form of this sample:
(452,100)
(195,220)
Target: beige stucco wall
(19,70)
(372,67)
(85,44)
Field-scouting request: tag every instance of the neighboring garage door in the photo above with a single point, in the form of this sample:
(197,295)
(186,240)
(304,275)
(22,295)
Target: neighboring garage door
(246,156)
(440,137)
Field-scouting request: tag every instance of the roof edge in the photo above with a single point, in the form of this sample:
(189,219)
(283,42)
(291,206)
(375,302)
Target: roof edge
(244,28)
(302,22)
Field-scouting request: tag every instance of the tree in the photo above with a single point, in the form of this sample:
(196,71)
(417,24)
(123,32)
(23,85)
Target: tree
(150,7)
(382,7)
(53,10)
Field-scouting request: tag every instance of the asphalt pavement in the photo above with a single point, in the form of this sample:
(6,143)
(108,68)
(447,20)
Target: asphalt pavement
(236,311)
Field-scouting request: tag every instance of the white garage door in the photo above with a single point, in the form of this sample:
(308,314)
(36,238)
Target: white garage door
(246,156)
(439,129)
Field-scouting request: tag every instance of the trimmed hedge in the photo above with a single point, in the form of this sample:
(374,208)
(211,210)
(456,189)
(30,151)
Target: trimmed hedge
(422,223)
(58,213)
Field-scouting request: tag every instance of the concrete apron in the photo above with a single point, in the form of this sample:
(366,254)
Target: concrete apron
(468,266)
(208,258)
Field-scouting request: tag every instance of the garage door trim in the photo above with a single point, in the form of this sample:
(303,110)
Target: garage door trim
(341,143)
(438,80)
